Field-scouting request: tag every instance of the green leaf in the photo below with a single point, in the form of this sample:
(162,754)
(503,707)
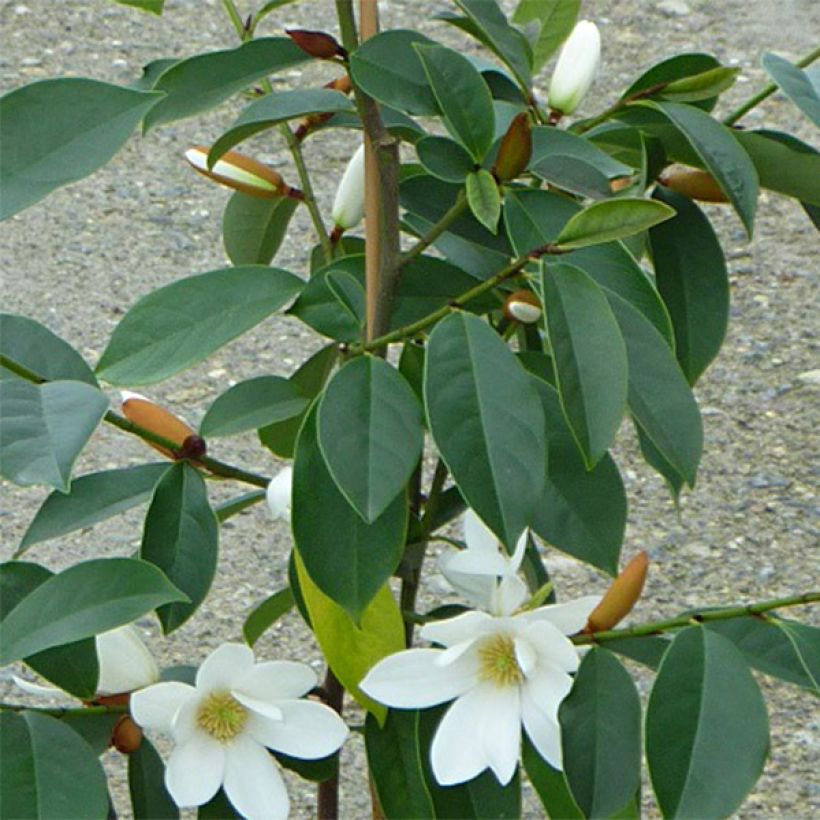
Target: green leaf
(350,294)
(691,274)
(795,84)
(648,650)
(92,498)
(316,770)
(152,6)
(611,219)
(86,599)
(556,19)
(181,537)
(484,198)
(679,67)
(54,132)
(654,458)
(253,228)
(660,398)
(252,404)
(146,783)
(720,152)
(704,701)
(234,506)
(266,614)
(203,81)
(394,762)
(574,175)
(486,419)
(550,785)
(48,771)
(601,735)
(348,559)
(704,86)
(310,378)
(590,358)
(44,427)
(551,142)
(94,729)
(35,347)
(370,434)
(182,323)
(388,68)
(398,124)
(444,158)
(463,97)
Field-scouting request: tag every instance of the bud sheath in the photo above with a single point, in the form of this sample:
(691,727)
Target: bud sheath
(523,306)
(515,149)
(157,420)
(692,183)
(621,596)
(317,44)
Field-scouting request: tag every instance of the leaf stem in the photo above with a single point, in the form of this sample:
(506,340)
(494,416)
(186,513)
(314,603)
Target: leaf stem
(458,208)
(235,18)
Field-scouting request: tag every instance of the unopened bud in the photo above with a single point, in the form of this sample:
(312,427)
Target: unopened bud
(242,174)
(621,596)
(523,306)
(515,149)
(576,68)
(316,43)
(307,124)
(126,736)
(125,662)
(156,420)
(692,183)
(348,207)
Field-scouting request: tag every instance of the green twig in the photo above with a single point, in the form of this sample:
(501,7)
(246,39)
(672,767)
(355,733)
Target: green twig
(236,19)
(437,230)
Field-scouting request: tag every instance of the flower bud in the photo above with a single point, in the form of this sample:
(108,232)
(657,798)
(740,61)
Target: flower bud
(279,493)
(348,207)
(126,737)
(307,124)
(125,662)
(692,183)
(522,306)
(157,420)
(515,149)
(316,43)
(576,68)
(241,173)
(621,596)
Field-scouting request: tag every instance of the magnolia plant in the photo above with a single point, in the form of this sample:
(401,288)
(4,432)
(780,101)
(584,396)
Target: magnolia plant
(529,283)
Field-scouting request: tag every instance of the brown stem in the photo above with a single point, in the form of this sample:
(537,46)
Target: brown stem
(327,803)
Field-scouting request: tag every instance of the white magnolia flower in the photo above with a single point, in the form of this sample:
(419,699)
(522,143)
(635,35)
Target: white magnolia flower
(278,493)
(576,68)
(223,727)
(348,206)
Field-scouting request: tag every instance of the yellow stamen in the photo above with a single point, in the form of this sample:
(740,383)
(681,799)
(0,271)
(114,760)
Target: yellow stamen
(221,716)
(498,661)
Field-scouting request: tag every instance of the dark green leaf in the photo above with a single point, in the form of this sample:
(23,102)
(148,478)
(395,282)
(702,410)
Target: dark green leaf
(349,293)
(48,771)
(228,509)
(590,358)
(548,142)
(44,427)
(252,404)
(484,198)
(54,132)
(654,458)
(601,735)
(704,701)
(574,175)
(146,783)
(648,650)
(316,770)
(346,558)
(151,71)
(203,81)
(218,808)
(670,70)
(94,729)
(795,84)
(153,6)
(487,422)
(253,228)
(444,158)
(550,785)
(184,322)
(266,614)
(396,123)
(181,537)
(556,19)
(704,86)
(93,498)
(370,434)
(411,366)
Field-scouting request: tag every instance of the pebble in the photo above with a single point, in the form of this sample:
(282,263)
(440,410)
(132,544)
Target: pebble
(674,8)
(810,377)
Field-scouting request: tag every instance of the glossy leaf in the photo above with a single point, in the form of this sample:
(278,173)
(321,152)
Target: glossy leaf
(795,84)
(350,294)
(601,735)
(146,783)
(647,650)
(573,175)
(463,98)
(252,404)
(704,701)
(691,274)
(370,434)
(94,497)
(266,614)
(35,347)
(397,123)
(54,132)
(590,358)
(348,559)
(182,323)
(48,771)
(550,785)
(444,158)
(44,427)
(83,600)
(486,419)
(203,81)
(484,198)
(549,142)
(679,67)
(181,537)
(556,19)
(253,228)
(654,458)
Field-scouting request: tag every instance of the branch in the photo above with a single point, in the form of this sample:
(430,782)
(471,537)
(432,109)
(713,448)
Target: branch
(66,711)
(458,208)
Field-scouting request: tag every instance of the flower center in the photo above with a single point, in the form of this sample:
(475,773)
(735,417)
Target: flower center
(221,716)
(498,662)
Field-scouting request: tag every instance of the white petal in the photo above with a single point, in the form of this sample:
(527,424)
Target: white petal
(277,680)
(253,783)
(570,617)
(278,494)
(454,652)
(125,662)
(475,562)
(348,205)
(547,688)
(413,680)
(477,589)
(308,730)
(544,732)
(457,753)
(500,724)
(36,689)
(478,536)
(554,649)
(184,725)
(195,770)
(525,655)
(509,594)
(520,549)
(156,706)
(225,666)
(455,630)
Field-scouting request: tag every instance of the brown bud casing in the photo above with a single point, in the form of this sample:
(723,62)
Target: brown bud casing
(515,149)
(307,124)
(159,421)
(621,596)
(522,306)
(693,183)
(620,183)
(317,44)
(126,736)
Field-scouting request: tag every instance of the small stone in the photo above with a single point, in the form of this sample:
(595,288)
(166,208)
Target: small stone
(30,62)
(764,481)
(674,8)
(810,377)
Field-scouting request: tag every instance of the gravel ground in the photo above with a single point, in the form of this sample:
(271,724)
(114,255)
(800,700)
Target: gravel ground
(80,258)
